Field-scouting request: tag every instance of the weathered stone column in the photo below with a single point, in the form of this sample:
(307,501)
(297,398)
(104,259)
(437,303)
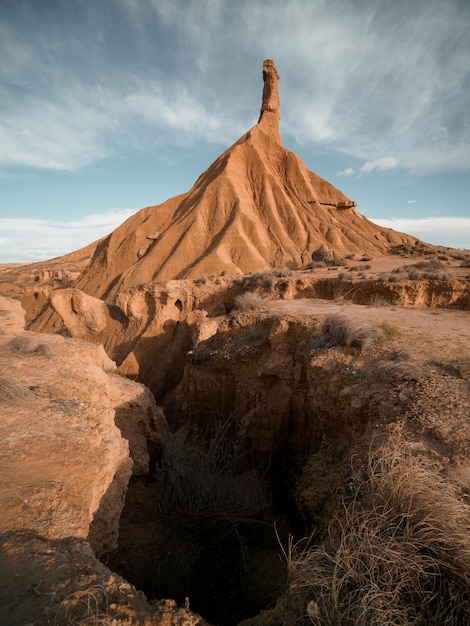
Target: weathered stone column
(270,113)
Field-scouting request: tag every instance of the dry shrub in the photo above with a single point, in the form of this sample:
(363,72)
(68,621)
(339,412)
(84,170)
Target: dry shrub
(249,301)
(360,268)
(401,555)
(23,343)
(213,500)
(85,606)
(398,371)
(29,345)
(323,254)
(431,269)
(207,477)
(337,330)
(11,390)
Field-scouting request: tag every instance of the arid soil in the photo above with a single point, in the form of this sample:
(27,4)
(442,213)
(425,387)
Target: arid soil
(301,406)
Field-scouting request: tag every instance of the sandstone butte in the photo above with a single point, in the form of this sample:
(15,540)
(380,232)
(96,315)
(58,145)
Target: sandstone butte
(256,207)
(160,301)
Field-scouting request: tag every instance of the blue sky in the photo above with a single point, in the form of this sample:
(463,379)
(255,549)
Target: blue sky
(110,106)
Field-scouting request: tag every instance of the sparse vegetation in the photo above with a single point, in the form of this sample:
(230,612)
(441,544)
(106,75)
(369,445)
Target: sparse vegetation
(86,606)
(399,371)
(325,256)
(432,269)
(249,301)
(337,330)
(30,345)
(212,499)
(459,367)
(11,390)
(389,331)
(399,552)
(360,268)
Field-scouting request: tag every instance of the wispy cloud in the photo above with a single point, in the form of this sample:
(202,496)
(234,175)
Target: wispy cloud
(443,231)
(411,202)
(379,165)
(364,79)
(350,171)
(29,240)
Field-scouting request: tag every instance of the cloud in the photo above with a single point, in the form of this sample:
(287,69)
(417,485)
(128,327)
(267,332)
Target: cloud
(363,79)
(379,165)
(30,240)
(350,171)
(411,202)
(442,231)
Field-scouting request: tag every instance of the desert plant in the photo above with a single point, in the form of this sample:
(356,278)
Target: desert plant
(337,330)
(11,390)
(398,371)
(360,268)
(205,477)
(399,553)
(388,330)
(85,606)
(323,253)
(249,301)
(213,499)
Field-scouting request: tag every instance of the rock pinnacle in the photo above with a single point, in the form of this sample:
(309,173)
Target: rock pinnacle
(270,113)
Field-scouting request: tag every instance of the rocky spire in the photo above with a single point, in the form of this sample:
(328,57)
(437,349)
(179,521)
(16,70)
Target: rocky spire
(270,112)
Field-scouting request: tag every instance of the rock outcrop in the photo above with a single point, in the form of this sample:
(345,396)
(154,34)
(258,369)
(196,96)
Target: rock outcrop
(256,207)
(270,113)
(73,432)
(50,421)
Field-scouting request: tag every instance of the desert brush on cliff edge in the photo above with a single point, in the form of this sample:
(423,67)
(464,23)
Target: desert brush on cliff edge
(399,551)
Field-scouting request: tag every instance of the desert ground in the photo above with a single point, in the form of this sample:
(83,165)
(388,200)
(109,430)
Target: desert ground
(80,439)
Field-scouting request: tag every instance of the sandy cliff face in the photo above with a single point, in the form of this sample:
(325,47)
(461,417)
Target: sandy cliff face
(73,432)
(149,329)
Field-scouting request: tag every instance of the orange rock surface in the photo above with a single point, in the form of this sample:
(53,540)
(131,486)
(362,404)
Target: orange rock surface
(257,206)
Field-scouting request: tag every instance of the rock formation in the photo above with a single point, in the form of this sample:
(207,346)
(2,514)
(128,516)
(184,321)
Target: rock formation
(270,113)
(256,207)
(73,433)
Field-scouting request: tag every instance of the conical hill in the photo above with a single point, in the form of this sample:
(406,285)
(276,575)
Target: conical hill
(256,207)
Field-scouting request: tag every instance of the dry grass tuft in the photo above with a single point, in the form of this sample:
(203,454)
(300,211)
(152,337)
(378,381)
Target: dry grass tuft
(399,371)
(337,330)
(29,345)
(205,480)
(11,390)
(249,301)
(402,553)
(432,269)
(85,606)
